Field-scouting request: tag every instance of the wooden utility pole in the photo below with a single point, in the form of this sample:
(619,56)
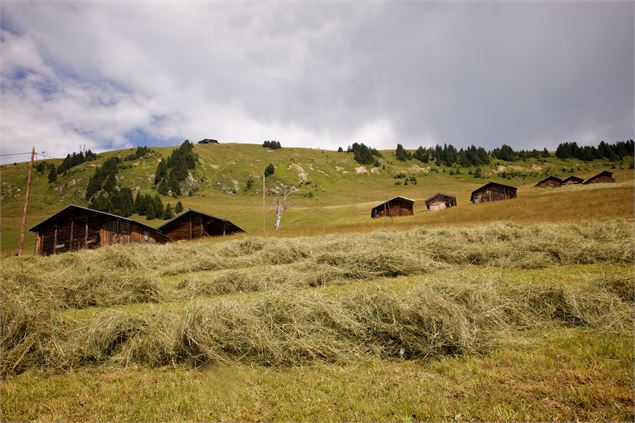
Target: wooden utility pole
(26,203)
(263,204)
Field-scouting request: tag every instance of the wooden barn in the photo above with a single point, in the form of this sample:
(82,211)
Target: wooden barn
(192,224)
(398,206)
(440,201)
(604,176)
(550,182)
(75,228)
(571,180)
(492,191)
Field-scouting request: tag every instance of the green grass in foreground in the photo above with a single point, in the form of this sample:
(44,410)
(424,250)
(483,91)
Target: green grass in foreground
(561,374)
(498,322)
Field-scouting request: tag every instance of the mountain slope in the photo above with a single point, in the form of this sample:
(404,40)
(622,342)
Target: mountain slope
(334,190)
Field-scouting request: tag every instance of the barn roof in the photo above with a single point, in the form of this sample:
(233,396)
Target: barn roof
(572,178)
(408,200)
(604,172)
(555,178)
(76,207)
(490,184)
(197,212)
(438,194)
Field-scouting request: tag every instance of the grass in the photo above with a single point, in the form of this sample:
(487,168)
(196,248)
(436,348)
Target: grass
(290,322)
(335,317)
(561,374)
(333,197)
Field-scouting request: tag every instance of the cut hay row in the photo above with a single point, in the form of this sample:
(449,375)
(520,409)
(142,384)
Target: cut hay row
(291,328)
(132,274)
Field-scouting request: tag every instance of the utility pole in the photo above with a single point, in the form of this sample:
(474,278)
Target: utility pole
(26,202)
(263,204)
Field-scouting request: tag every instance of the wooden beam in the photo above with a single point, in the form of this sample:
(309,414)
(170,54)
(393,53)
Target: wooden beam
(86,234)
(55,241)
(190,225)
(70,243)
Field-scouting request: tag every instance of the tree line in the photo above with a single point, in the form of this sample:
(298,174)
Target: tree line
(476,156)
(171,172)
(611,152)
(273,145)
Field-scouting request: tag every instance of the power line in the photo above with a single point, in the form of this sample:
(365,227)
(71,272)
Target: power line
(13,154)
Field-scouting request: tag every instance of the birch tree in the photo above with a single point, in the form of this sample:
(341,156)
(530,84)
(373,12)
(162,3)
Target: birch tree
(280,203)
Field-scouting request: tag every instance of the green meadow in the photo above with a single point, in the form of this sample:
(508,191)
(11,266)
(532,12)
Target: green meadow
(510,310)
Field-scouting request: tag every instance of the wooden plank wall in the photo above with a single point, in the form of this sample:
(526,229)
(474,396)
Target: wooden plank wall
(495,193)
(83,231)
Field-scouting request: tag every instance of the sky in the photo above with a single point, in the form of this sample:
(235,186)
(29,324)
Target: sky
(112,75)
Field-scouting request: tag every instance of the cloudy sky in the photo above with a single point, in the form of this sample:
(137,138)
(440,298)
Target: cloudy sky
(111,75)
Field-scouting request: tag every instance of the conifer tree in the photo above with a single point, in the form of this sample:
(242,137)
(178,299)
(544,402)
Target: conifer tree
(270,170)
(53,174)
(168,213)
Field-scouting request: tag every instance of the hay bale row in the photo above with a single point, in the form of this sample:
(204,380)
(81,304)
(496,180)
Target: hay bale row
(294,328)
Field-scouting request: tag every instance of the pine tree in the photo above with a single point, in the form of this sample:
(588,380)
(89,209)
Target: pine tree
(270,170)
(53,174)
(158,206)
(148,202)
(401,154)
(179,207)
(168,213)
(125,202)
(139,205)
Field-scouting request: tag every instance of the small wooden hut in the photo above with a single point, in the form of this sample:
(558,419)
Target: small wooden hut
(440,201)
(75,228)
(492,191)
(550,182)
(571,180)
(604,176)
(192,224)
(398,206)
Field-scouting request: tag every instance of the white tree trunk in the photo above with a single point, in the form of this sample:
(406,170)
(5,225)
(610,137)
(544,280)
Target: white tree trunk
(279,211)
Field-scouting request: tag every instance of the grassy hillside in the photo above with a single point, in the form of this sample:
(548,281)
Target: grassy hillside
(335,193)
(495,322)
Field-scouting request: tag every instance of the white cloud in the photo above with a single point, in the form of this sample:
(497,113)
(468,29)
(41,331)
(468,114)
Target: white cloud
(315,74)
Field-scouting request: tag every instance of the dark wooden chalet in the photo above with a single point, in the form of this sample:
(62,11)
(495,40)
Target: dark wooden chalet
(570,180)
(192,224)
(550,182)
(75,228)
(492,191)
(604,176)
(398,206)
(440,201)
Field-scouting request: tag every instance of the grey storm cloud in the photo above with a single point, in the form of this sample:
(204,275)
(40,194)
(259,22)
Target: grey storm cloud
(529,74)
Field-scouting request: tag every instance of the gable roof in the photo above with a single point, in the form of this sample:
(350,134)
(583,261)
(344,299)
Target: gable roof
(572,178)
(555,178)
(489,184)
(399,197)
(604,172)
(197,212)
(439,194)
(74,206)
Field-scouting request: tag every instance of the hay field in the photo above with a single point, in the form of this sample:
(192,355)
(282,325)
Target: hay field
(494,322)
